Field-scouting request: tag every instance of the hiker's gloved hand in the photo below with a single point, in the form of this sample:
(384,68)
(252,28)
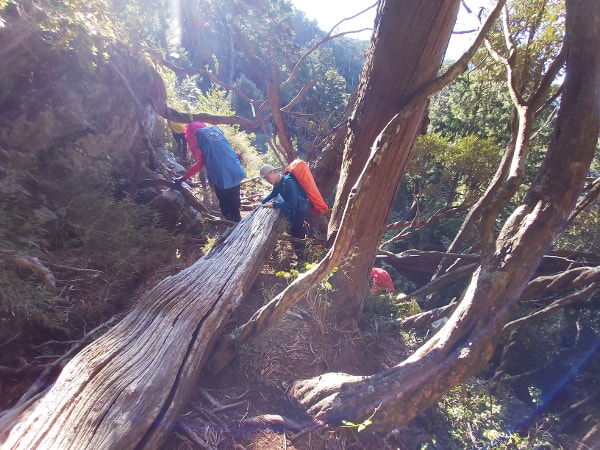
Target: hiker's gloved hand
(267,205)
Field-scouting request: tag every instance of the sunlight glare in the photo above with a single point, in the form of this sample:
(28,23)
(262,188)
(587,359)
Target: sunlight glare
(175,23)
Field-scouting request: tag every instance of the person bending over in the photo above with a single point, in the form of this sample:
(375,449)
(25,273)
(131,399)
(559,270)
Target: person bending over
(293,203)
(223,167)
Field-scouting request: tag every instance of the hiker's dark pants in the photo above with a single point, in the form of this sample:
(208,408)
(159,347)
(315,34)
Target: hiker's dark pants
(297,221)
(181,144)
(229,202)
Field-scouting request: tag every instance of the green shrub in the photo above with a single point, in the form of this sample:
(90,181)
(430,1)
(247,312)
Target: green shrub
(469,416)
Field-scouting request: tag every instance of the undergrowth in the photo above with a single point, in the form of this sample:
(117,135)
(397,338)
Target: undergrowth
(472,416)
(97,248)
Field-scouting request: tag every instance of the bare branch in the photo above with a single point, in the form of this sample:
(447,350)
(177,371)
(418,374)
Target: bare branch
(444,280)
(569,300)
(50,371)
(574,278)
(588,199)
(328,37)
(536,98)
(176,116)
(207,74)
(546,123)
(298,96)
(426,318)
(417,224)
(508,62)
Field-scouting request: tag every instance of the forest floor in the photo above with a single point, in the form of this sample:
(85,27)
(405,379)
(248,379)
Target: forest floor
(245,406)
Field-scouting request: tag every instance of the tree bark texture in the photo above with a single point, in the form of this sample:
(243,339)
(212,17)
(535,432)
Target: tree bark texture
(409,42)
(125,389)
(467,341)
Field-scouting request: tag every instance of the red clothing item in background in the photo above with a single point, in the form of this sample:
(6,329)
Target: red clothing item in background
(190,137)
(381,280)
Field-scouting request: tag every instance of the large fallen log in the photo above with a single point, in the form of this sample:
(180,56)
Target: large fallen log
(125,389)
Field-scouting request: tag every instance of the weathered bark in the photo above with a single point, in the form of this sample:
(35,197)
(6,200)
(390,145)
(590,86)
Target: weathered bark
(468,339)
(127,388)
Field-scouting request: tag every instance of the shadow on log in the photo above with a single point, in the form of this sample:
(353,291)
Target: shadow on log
(128,387)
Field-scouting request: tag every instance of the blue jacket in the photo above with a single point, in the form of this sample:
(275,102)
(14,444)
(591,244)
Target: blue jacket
(294,200)
(223,166)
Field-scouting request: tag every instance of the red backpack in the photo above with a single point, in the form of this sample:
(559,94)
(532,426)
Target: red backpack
(301,173)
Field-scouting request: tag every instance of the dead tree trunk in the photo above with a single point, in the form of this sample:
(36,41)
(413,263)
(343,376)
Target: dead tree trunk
(127,388)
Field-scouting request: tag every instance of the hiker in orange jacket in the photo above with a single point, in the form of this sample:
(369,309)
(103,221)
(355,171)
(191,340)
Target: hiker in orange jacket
(293,202)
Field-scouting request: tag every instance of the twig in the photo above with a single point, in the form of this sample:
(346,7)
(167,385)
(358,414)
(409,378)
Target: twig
(229,406)
(193,437)
(35,347)
(11,339)
(18,371)
(213,401)
(75,269)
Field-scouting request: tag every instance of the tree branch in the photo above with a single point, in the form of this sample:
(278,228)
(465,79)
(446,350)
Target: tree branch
(591,195)
(569,300)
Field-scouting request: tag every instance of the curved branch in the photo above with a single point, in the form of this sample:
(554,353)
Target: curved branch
(569,300)
(461,65)
(176,116)
(591,195)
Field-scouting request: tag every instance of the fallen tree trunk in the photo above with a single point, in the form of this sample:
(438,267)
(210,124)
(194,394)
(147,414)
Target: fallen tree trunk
(125,389)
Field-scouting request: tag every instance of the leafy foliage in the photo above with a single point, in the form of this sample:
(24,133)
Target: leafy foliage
(479,419)
(245,44)
(583,234)
(26,303)
(123,237)
(444,175)
(459,110)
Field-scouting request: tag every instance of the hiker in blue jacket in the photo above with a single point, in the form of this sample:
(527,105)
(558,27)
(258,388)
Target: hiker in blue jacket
(293,203)
(223,167)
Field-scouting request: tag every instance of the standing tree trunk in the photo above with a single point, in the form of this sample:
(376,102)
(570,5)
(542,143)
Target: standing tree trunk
(396,68)
(467,341)
(125,389)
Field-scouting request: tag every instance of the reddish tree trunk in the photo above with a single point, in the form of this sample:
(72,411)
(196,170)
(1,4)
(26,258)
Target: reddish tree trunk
(396,68)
